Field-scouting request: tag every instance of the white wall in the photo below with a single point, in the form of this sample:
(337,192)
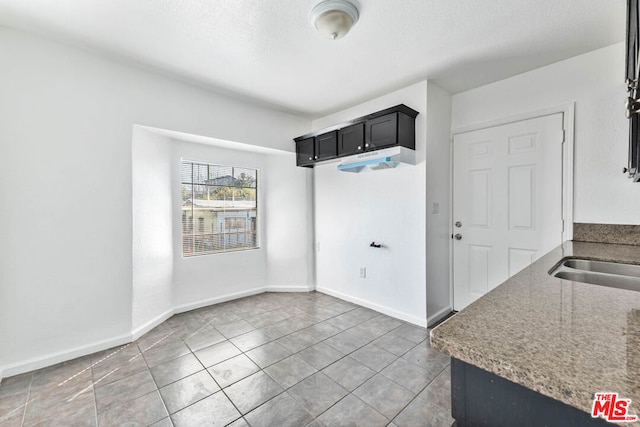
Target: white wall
(288,229)
(66,120)
(164,281)
(152,227)
(595,81)
(409,278)
(387,206)
(283,231)
(211,277)
(438,191)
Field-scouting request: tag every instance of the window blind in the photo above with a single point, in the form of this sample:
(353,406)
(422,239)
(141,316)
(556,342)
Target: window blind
(219,208)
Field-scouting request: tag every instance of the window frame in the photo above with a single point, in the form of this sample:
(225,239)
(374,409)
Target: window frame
(256,224)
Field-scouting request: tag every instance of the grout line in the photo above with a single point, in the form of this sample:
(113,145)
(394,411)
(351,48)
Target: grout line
(421,390)
(95,400)
(26,403)
(157,390)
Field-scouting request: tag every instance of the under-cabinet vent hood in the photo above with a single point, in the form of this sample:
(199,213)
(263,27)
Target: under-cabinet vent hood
(386,158)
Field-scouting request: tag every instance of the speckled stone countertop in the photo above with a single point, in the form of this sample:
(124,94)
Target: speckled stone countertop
(566,340)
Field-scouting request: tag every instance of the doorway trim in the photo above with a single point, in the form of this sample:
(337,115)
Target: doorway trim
(568,123)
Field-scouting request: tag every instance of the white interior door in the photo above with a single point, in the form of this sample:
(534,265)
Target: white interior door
(507,202)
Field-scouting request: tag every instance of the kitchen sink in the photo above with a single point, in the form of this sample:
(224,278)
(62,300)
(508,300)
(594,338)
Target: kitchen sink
(612,274)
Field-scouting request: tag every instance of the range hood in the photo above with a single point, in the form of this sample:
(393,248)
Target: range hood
(386,158)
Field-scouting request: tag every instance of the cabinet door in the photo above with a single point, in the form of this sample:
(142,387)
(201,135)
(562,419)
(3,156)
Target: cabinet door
(304,152)
(381,132)
(351,140)
(327,146)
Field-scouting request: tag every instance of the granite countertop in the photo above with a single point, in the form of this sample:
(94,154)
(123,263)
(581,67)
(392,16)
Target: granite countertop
(566,340)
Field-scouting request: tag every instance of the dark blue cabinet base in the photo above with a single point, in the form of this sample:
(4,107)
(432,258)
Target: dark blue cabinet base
(482,399)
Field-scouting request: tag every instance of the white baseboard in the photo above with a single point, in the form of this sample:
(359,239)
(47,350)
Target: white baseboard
(141,330)
(434,318)
(373,306)
(289,289)
(217,300)
(63,356)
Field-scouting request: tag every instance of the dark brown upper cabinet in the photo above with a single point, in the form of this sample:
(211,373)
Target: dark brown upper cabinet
(326,146)
(386,128)
(316,149)
(305,152)
(351,140)
(381,132)
(387,131)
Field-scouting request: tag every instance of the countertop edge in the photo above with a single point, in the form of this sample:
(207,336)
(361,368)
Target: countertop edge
(494,366)
(469,336)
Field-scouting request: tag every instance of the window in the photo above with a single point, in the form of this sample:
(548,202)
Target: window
(219,208)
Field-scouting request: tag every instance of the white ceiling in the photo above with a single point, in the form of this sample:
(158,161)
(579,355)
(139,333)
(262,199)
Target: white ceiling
(267,50)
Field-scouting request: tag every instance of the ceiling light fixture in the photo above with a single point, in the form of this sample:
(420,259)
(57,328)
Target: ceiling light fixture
(334,18)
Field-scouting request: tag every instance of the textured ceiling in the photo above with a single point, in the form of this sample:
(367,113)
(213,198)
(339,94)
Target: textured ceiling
(268,51)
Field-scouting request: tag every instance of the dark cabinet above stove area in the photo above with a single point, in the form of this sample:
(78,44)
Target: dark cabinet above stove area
(317,148)
(391,127)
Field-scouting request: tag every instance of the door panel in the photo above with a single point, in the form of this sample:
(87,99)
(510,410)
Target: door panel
(522,143)
(507,195)
(522,197)
(480,198)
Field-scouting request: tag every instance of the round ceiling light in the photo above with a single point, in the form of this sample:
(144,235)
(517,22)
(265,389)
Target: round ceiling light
(334,18)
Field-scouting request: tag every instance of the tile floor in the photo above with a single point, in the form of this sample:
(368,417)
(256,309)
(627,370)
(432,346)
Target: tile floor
(274,359)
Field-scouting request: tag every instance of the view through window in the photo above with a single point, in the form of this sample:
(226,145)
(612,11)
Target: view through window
(219,208)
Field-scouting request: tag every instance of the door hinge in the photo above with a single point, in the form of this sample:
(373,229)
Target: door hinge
(563,225)
(563,136)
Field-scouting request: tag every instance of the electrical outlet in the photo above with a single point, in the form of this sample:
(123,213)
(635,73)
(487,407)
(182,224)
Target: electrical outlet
(435,208)
(363,272)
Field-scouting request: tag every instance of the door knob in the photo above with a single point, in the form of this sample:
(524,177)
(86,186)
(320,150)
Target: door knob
(458,236)
(458,224)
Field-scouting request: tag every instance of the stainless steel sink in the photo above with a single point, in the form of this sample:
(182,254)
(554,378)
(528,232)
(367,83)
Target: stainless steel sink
(612,274)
